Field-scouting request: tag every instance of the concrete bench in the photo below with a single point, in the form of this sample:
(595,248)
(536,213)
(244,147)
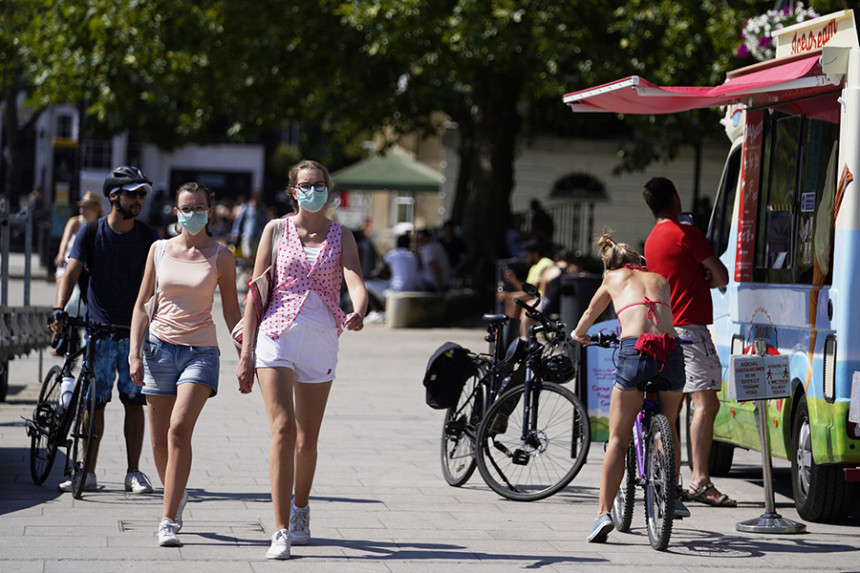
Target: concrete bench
(405,309)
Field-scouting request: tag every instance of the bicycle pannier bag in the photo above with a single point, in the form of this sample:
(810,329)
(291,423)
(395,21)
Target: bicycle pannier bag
(446,374)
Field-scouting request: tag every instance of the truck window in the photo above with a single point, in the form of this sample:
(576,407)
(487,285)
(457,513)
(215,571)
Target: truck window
(814,239)
(794,227)
(720,225)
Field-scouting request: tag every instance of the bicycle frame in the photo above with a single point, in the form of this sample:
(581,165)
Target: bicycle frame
(650,405)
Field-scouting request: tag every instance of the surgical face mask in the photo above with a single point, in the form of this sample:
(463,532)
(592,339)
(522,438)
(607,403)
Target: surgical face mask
(312,199)
(193,221)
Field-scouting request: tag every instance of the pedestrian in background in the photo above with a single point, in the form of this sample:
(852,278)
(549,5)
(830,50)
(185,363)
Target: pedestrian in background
(89,209)
(248,226)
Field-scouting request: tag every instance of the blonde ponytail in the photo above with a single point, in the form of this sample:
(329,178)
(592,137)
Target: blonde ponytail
(616,255)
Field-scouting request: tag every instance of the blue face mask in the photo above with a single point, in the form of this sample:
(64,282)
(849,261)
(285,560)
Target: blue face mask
(193,222)
(312,199)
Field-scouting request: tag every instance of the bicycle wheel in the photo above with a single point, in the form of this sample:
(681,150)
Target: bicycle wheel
(660,484)
(83,434)
(458,433)
(622,507)
(43,429)
(535,462)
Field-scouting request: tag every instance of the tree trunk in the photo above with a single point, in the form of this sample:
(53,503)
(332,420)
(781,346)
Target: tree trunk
(490,149)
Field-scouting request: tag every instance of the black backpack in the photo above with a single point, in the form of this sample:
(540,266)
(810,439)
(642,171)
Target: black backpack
(446,374)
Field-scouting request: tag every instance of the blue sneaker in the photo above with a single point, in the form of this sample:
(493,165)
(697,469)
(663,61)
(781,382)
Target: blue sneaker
(602,526)
(681,510)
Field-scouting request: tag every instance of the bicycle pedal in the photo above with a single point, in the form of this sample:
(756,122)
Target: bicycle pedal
(520,458)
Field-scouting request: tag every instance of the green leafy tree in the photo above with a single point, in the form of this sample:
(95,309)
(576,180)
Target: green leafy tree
(481,62)
(681,43)
(16,71)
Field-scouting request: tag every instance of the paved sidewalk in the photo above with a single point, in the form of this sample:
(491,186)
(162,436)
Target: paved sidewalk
(379,503)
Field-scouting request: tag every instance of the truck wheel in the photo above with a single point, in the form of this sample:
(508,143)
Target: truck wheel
(820,491)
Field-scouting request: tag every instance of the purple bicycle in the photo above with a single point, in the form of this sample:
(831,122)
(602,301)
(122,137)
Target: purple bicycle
(650,464)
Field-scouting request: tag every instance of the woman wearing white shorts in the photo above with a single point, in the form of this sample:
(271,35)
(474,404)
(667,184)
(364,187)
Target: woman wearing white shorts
(294,353)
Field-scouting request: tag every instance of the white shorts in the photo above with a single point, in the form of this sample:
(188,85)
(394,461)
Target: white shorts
(311,353)
(701,362)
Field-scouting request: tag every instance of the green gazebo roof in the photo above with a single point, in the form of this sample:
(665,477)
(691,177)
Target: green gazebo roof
(390,172)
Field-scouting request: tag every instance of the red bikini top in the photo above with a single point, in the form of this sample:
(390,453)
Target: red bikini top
(651,313)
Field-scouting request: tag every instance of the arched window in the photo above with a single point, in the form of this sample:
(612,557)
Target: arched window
(579,187)
(573,198)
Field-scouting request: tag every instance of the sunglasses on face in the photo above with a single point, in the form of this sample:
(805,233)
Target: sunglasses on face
(139,193)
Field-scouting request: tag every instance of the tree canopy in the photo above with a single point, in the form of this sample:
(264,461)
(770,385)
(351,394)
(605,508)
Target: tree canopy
(177,71)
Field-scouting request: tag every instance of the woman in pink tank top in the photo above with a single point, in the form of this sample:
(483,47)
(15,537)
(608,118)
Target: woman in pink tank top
(294,350)
(178,363)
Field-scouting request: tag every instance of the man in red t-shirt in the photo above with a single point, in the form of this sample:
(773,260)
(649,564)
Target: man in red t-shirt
(681,253)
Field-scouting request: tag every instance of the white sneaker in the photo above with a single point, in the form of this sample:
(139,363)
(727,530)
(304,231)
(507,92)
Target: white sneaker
(89,485)
(280,548)
(182,502)
(167,533)
(300,524)
(137,482)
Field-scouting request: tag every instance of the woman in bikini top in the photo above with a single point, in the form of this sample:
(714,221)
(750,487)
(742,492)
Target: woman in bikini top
(642,298)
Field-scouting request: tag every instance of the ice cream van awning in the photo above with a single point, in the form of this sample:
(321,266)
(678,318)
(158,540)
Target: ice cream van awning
(636,95)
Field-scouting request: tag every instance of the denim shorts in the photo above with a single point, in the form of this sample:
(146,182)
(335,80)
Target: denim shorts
(166,366)
(633,369)
(111,364)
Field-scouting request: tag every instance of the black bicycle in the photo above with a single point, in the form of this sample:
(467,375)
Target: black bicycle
(71,425)
(534,438)
(491,374)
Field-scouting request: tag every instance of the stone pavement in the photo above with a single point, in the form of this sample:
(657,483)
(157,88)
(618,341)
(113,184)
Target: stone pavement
(379,502)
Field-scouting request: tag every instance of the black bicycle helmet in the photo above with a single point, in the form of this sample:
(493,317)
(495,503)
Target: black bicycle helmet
(122,176)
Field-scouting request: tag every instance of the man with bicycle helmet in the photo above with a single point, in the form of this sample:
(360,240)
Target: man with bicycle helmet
(111,254)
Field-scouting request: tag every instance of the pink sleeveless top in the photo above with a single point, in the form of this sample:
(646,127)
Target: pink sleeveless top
(295,278)
(186,290)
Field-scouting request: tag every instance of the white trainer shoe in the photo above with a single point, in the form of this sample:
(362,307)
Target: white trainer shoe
(280,548)
(89,485)
(300,524)
(167,533)
(137,482)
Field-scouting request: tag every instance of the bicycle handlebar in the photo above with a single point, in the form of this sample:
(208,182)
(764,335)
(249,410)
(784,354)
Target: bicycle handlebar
(95,327)
(605,339)
(537,315)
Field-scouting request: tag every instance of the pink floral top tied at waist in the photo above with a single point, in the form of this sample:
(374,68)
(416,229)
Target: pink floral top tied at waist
(295,278)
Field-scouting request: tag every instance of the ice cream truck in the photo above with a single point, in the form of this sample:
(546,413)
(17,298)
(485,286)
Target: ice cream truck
(786,223)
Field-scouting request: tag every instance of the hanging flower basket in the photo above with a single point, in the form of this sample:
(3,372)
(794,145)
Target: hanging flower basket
(755,36)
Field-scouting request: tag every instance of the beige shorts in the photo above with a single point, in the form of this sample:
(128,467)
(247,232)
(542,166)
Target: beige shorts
(311,353)
(701,362)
